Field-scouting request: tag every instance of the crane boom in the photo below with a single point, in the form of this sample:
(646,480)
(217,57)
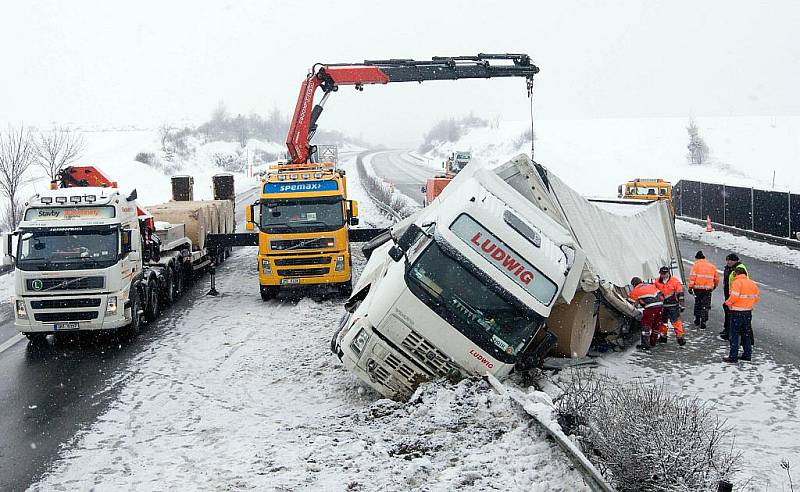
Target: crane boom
(329,77)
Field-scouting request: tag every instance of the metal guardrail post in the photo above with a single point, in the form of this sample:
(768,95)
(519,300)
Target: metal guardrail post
(752,212)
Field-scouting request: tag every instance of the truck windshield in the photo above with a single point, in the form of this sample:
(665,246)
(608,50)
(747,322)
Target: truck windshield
(68,249)
(497,323)
(302,215)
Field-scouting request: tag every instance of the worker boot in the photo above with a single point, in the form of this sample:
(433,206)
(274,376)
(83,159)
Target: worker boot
(696,321)
(644,343)
(703,325)
(681,341)
(662,339)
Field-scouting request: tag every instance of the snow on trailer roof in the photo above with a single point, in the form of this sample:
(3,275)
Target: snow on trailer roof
(617,246)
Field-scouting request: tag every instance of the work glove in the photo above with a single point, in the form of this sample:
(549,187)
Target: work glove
(691,291)
(638,314)
(683,308)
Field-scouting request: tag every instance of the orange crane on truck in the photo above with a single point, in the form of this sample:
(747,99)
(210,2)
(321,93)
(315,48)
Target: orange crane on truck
(295,197)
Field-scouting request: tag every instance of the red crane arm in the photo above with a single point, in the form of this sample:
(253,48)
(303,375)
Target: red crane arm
(330,77)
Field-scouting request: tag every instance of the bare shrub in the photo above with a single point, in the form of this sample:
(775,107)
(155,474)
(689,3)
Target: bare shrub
(11,215)
(148,158)
(58,148)
(450,130)
(641,437)
(231,162)
(525,138)
(17,153)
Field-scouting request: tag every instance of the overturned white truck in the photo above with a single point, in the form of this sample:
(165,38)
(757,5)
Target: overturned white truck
(506,266)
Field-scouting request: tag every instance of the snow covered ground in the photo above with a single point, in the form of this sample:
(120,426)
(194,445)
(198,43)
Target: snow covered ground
(595,156)
(241,394)
(745,246)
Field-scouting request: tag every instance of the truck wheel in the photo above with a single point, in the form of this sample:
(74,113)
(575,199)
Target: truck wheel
(346,288)
(168,292)
(151,308)
(177,281)
(132,328)
(268,292)
(37,339)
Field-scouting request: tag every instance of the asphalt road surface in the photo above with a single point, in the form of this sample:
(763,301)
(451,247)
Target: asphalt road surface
(49,394)
(776,318)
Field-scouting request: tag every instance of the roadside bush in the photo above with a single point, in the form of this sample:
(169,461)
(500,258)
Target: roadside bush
(643,438)
(450,130)
(148,158)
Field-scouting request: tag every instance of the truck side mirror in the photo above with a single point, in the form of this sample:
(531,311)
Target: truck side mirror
(7,250)
(126,236)
(409,237)
(353,208)
(252,215)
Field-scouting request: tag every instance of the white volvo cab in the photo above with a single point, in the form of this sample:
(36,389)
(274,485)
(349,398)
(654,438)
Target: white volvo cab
(462,288)
(76,258)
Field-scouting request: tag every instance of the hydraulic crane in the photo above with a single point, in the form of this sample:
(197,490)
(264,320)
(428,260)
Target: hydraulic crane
(329,77)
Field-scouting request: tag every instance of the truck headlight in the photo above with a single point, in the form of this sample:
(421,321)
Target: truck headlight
(265,266)
(22,313)
(339,265)
(111,306)
(360,341)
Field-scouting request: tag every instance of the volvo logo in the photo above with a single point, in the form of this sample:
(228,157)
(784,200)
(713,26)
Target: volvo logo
(37,284)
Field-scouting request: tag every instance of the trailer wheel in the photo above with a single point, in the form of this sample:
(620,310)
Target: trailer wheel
(168,292)
(177,280)
(268,292)
(151,308)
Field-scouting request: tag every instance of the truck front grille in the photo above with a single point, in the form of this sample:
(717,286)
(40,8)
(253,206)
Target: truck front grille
(304,272)
(67,283)
(316,260)
(428,355)
(301,244)
(382,375)
(65,303)
(68,316)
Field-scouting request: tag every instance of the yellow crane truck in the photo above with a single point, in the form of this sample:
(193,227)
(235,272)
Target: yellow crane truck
(303,216)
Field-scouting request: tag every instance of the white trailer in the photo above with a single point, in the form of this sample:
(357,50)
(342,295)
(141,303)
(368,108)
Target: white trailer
(505,266)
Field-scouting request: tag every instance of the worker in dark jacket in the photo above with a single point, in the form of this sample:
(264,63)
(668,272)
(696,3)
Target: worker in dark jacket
(731,263)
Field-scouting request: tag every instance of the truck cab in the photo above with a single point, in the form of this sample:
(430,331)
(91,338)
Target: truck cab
(646,189)
(303,217)
(463,288)
(77,252)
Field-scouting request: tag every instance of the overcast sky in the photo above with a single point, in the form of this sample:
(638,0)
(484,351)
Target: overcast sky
(149,62)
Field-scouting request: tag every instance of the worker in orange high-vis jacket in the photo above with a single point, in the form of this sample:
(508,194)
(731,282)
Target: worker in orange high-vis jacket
(703,279)
(649,298)
(744,295)
(672,289)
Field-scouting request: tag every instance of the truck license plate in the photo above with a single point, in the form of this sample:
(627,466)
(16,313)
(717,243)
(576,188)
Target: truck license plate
(66,326)
(290,280)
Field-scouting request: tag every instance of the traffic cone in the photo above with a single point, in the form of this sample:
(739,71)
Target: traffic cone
(708,224)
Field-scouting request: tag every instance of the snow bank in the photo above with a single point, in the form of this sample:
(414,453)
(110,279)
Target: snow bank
(595,156)
(742,245)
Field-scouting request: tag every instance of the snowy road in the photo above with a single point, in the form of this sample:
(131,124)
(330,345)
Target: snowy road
(761,400)
(230,392)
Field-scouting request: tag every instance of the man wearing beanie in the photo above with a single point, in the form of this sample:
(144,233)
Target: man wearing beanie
(731,263)
(703,279)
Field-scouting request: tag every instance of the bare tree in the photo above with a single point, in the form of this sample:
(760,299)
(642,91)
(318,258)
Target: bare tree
(698,150)
(17,153)
(58,148)
(164,133)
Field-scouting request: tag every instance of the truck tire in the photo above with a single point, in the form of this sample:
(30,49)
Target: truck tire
(345,289)
(37,339)
(268,292)
(151,307)
(177,280)
(132,329)
(168,289)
